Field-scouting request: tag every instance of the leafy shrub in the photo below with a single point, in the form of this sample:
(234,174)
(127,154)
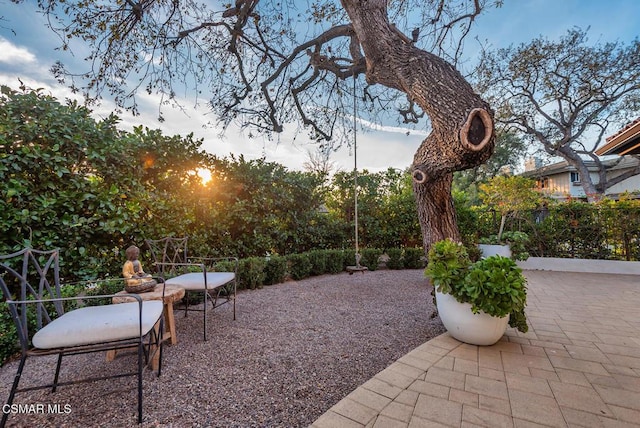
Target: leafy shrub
(413,258)
(318,259)
(275,270)
(299,266)
(335,261)
(370,258)
(395,258)
(348,257)
(251,272)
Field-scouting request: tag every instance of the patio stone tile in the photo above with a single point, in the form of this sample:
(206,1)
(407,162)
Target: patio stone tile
(544,374)
(490,358)
(626,382)
(416,362)
(587,354)
(573,377)
(485,386)
(333,420)
(445,341)
(535,408)
(574,335)
(579,418)
(428,388)
(578,365)
(603,380)
(445,363)
(399,411)
(619,397)
(573,327)
(382,388)
(564,340)
(627,415)
(509,347)
(445,377)
(522,340)
(406,370)
(438,410)
(622,360)
(387,422)
(417,422)
(424,354)
(630,351)
(466,366)
(548,327)
(520,363)
(557,352)
(465,352)
(493,404)
(407,397)
(580,398)
(395,378)
(583,343)
(615,423)
(528,384)
(533,350)
(485,418)
(621,370)
(463,397)
(547,344)
(521,423)
(619,340)
(369,398)
(355,411)
(491,373)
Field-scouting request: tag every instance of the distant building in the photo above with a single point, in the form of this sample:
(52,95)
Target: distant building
(562,181)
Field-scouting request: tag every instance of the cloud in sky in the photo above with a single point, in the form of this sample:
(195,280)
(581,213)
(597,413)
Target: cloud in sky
(12,54)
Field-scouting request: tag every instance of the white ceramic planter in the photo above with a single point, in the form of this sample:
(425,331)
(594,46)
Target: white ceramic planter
(464,325)
(489,250)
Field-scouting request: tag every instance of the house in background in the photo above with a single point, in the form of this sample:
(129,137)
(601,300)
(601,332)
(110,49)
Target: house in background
(562,181)
(624,142)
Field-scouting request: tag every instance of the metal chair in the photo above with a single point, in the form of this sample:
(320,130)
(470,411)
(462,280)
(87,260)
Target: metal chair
(64,326)
(196,274)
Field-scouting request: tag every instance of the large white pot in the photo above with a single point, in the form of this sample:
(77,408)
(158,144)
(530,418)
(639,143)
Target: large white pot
(464,325)
(489,250)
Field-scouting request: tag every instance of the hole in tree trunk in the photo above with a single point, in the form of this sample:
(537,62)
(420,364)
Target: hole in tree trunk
(477,130)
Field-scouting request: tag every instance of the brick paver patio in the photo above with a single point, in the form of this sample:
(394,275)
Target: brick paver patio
(579,365)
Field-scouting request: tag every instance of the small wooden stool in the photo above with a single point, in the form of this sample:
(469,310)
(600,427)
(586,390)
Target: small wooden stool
(172,293)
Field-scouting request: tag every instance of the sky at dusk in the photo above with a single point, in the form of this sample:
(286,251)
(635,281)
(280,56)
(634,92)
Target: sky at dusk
(27,51)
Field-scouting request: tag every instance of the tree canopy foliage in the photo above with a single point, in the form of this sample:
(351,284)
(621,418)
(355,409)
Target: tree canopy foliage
(91,189)
(564,94)
(259,63)
(264,64)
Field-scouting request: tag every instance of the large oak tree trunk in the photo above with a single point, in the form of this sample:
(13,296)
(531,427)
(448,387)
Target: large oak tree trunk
(462,123)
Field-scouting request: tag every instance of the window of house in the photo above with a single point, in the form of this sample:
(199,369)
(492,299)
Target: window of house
(543,183)
(575,177)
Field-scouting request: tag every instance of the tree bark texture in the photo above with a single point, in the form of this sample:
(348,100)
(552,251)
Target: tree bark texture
(462,123)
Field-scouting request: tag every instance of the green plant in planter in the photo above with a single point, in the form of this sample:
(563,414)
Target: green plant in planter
(517,242)
(494,285)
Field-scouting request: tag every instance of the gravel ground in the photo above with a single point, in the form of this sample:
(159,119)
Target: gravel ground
(294,351)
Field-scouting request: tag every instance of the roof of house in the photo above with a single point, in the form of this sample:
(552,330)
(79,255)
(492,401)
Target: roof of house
(624,142)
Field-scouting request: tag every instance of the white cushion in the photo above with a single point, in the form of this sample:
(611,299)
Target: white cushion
(96,324)
(195,281)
